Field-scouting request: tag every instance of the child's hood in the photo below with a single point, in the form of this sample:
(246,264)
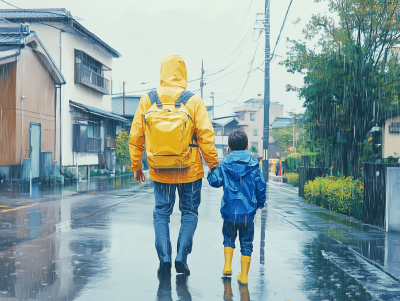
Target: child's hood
(239,163)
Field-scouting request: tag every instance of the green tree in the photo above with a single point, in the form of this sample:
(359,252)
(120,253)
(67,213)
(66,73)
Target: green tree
(122,141)
(283,139)
(350,75)
(253,149)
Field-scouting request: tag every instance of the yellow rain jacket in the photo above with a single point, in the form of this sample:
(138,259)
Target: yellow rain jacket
(173,82)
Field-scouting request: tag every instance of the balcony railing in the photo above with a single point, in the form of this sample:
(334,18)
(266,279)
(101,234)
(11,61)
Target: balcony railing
(91,79)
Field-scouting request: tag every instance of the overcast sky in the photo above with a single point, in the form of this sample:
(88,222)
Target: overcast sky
(213,30)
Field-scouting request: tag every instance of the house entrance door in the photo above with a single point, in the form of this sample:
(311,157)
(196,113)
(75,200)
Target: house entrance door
(35,148)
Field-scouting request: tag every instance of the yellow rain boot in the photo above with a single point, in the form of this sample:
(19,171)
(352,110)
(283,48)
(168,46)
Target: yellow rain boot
(228,252)
(243,277)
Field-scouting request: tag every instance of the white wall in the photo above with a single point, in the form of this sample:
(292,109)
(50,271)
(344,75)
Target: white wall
(65,60)
(276,110)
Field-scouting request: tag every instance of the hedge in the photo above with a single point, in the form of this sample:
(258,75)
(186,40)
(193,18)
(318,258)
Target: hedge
(340,195)
(292,178)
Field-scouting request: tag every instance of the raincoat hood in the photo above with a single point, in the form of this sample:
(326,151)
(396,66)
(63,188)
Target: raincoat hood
(173,71)
(239,163)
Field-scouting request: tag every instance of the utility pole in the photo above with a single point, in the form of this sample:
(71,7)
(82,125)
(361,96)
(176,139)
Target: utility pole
(212,97)
(267,28)
(201,80)
(293,134)
(123,99)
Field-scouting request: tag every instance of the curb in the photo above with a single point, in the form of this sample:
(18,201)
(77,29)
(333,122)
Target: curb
(371,262)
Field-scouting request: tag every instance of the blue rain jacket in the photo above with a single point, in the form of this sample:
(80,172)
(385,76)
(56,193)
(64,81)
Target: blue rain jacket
(244,186)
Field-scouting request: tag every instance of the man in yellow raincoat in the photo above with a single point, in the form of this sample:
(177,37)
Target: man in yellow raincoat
(187,181)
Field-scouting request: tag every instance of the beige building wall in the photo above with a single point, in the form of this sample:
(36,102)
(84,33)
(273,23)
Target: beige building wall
(26,77)
(35,83)
(7,114)
(390,141)
(254,128)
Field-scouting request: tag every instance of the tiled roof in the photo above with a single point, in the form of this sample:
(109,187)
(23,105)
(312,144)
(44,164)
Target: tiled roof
(18,39)
(282,122)
(54,15)
(131,105)
(35,13)
(97,111)
(224,121)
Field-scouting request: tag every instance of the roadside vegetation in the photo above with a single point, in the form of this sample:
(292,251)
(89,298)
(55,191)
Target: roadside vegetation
(292,178)
(341,195)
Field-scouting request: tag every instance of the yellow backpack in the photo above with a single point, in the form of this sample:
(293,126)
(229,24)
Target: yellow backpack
(169,134)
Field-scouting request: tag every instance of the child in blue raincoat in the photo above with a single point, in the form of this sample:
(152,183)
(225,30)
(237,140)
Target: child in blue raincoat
(244,192)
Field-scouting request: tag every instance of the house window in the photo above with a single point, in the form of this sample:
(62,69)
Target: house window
(255,132)
(242,116)
(90,72)
(252,116)
(394,128)
(118,129)
(93,130)
(89,62)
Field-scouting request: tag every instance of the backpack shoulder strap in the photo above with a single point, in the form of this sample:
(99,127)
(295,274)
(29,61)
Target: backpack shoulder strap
(154,98)
(183,98)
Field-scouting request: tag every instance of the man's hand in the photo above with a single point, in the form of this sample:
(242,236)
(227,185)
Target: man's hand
(139,176)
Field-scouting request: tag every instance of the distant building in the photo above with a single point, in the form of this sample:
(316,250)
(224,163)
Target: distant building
(391,135)
(251,120)
(131,105)
(28,81)
(222,127)
(282,122)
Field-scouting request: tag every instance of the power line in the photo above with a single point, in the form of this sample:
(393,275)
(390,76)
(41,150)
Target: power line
(283,25)
(150,88)
(251,65)
(47,12)
(273,53)
(226,66)
(248,75)
(238,47)
(7,21)
(231,32)
(10,4)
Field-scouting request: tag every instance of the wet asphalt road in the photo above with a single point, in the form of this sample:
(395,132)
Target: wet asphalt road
(101,247)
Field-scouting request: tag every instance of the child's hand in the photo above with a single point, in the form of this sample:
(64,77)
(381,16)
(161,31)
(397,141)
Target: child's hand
(209,170)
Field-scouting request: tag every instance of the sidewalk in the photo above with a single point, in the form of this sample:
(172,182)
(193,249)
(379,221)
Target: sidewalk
(371,243)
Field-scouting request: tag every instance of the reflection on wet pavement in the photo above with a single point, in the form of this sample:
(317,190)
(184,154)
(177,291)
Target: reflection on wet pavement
(101,247)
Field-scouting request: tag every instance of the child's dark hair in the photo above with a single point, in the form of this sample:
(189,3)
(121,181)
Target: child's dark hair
(237,140)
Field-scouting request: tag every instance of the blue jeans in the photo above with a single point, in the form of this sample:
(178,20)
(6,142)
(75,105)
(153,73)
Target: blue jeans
(189,201)
(246,236)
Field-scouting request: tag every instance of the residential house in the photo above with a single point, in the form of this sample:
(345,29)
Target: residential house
(251,119)
(282,122)
(222,127)
(86,63)
(131,105)
(29,79)
(391,135)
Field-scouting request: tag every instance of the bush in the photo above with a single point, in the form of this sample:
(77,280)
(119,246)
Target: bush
(292,178)
(290,164)
(69,176)
(341,195)
(94,173)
